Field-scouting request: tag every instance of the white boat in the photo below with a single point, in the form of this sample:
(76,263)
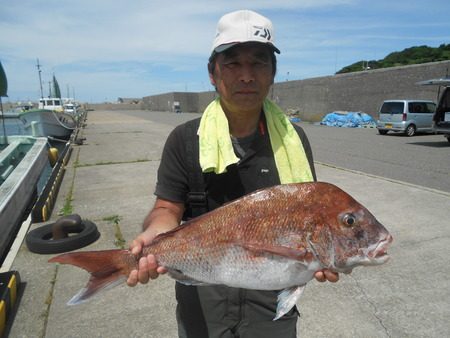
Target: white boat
(46,122)
(49,120)
(70,108)
(51,103)
(73,109)
(39,123)
(22,161)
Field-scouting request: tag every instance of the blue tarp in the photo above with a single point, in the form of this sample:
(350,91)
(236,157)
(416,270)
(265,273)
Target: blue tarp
(348,120)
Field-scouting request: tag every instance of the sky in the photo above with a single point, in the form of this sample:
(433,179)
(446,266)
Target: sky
(101,50)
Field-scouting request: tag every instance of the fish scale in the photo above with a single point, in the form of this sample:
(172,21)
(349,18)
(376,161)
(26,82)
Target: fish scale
(272,239)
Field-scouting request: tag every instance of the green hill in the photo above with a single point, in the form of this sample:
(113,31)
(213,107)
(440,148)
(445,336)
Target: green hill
(408,56)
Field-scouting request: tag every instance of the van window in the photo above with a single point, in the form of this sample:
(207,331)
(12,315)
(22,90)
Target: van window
(431,107)
(421,107)
(392,108)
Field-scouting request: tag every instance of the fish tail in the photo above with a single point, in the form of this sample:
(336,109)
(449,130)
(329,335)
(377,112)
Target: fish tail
(107,268)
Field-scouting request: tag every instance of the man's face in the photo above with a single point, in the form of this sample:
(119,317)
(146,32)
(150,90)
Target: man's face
(243,75)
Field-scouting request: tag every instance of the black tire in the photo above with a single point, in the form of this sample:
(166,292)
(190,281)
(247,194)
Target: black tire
(448,138)
(382,132)
(80,234)
(410,130)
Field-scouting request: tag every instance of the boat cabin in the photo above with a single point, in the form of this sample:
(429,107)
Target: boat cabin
(51,103)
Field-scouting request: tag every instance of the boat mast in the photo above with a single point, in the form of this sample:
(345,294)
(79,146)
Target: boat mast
(40,79)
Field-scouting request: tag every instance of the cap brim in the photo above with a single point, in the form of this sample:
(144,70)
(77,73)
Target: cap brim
(224,47)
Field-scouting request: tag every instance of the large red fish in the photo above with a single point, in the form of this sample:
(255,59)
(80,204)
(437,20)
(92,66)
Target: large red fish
(272,239)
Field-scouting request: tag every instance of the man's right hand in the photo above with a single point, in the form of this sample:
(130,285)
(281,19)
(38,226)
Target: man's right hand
(148,267)
(164,216)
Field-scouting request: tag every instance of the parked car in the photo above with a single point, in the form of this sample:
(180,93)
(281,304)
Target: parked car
(406,116)
(441,118)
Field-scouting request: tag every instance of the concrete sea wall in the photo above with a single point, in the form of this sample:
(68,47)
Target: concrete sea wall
(313,98)
(361,91)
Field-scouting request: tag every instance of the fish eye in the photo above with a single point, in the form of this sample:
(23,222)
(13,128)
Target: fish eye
(349,220)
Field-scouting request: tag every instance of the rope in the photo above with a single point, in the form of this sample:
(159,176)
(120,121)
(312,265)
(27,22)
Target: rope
(62,124)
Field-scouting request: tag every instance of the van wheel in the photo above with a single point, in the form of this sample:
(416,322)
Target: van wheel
(411,130)
(382,132)
(448,138)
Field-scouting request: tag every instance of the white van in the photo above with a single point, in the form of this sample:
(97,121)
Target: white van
(406,116)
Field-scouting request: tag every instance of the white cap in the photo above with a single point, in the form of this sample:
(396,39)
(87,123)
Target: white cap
(243,26)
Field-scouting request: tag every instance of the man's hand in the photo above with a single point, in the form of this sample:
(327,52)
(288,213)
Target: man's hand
(326,275)
(164,216)
(148,267)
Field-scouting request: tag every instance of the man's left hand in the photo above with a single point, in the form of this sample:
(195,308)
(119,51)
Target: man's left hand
(326,275)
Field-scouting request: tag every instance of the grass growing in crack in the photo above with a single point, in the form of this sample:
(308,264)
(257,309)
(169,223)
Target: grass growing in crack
(114,162)
(115,221)
(67,208)
(48,303)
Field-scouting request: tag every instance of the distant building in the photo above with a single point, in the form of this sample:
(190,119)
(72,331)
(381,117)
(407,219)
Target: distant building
(129,100)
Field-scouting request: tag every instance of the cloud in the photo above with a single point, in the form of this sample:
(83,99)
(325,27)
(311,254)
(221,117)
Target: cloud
(105,30)
(120,48)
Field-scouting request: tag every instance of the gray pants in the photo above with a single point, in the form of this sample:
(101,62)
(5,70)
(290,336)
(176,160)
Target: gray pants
(223,312)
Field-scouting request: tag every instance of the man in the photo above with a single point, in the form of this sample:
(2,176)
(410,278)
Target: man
(234,155)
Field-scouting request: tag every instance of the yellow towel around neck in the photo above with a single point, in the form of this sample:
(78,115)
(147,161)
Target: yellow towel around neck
(216,150)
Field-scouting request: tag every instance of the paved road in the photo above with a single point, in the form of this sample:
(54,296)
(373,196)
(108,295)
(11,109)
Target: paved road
(422,160)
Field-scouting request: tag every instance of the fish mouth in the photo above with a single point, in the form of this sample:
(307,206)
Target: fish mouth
(379,254)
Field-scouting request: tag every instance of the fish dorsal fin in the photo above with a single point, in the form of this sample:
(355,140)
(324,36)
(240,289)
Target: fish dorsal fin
(279,250)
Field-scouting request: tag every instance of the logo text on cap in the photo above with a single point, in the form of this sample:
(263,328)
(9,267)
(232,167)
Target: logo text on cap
(262,32)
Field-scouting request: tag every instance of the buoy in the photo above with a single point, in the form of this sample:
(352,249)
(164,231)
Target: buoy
(53,156)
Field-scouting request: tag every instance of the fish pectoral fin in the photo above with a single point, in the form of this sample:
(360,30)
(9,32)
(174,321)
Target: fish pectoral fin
(287,300)
(279,250)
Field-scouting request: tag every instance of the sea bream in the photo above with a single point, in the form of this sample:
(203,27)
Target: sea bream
(271,239)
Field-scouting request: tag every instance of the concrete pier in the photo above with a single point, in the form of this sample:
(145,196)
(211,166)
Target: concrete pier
(110,180)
